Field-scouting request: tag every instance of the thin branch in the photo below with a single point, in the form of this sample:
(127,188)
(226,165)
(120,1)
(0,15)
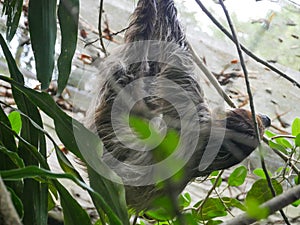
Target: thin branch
(273,205)
(120,31)
(99,28)
(283,157)
(210,77)
(235,39)
(199,208)
(248,52)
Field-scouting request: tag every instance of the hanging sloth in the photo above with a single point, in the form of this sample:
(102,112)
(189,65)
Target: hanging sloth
(152,78)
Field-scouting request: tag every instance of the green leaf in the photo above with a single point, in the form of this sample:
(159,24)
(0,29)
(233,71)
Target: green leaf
(212,208)
(255,211)
(163,209)
(260,172)
(79,140)
(13,11)
(14,157)
(17,203)
(184,200)
(269,134)
(297,140)
(296,127)
(42,28)
(68,14)
(297,180)
(6,138)
(214,176)
(238,176)
(285,143)
(34,194)
(232,202)
(296,203)
(278,147)
(73,212)
(15,121)
(34,172)
(261,192)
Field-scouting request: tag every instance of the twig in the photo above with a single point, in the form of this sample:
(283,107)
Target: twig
(199,208)
(235,39)
(120,31)
(283,157)
(99,28)
(273,205)
(248,52)
(283,136)
(210,77)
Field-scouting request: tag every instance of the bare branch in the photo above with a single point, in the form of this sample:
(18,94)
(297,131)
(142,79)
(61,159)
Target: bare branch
(8,214)
(99,28)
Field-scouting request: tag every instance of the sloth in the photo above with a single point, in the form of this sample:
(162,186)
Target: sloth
(152,78)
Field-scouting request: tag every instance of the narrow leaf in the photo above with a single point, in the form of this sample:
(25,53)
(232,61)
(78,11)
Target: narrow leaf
(81,142)
(42,28)
(68,14)
(34,193)
(13,11)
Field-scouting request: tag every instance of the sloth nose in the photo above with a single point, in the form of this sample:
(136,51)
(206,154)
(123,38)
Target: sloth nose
(265,120)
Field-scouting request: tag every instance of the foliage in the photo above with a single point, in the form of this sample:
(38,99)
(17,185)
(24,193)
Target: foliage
(32,184)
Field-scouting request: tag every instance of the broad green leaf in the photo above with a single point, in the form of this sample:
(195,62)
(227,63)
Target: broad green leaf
(255,211)
(278,147)
(13,9)
(232,202)
(15,121)
(260,191)
(214,176)
(184,200)
(238,176)
(212,208)
(285,143)
(163,209)
(269,134)
(296,203)
(297,140)
(42,28)
(68,14)
(260,172)
(296,127)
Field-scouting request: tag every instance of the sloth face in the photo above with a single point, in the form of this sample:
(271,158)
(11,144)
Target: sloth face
(239,140)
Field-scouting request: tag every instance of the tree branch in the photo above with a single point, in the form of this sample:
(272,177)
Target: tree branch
(275,204)
(248,52)
(8,214)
